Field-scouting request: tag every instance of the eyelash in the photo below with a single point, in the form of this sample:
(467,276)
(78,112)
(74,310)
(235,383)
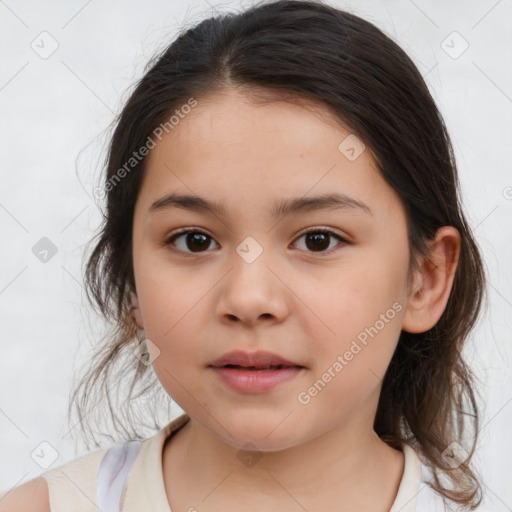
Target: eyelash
(170,240)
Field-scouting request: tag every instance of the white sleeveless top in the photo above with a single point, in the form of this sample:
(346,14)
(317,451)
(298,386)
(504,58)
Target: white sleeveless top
(128,477)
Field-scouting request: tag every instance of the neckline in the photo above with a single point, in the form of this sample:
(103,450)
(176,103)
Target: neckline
(146,489)
(406,497)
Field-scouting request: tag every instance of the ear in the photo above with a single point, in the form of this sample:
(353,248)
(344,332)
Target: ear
(135,311)
(433,282)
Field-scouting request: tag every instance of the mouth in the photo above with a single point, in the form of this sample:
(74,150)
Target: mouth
(253,361)
(258,368)
(254,372)
(256,378)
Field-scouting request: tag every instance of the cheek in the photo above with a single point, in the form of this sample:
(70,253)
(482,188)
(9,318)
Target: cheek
(170,308)
(172,326)
(358,313)
(350,362)
(166,294)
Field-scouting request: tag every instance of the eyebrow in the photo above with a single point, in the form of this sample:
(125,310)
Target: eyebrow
(281,208)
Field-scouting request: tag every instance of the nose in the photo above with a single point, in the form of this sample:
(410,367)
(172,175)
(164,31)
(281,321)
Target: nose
(253,290)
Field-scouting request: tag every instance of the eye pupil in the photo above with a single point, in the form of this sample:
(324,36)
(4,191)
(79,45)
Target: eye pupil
(197,237)
(318,240)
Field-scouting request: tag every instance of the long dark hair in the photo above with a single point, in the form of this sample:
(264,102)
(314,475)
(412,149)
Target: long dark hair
(307,50)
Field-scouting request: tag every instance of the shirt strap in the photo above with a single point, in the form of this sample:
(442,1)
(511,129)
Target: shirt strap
(113,472)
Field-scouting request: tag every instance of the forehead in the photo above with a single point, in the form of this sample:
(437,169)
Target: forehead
(240,152)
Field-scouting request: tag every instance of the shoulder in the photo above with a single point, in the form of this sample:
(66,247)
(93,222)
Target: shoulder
(69,486)
(32,496)
(82,483)
(72,486)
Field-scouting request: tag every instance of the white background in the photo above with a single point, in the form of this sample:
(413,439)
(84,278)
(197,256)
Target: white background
(52,109)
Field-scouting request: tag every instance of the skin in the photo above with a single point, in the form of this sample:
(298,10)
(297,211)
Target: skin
(304,304)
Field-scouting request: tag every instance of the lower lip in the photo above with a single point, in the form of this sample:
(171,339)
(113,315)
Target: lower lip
(256,381)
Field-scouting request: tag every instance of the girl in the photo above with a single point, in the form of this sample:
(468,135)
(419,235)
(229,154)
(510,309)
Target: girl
(284,249)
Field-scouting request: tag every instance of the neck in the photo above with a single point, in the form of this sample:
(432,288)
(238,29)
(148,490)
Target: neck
(346,468)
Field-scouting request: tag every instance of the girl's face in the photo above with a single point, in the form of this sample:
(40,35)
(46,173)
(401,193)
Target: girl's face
(256,282)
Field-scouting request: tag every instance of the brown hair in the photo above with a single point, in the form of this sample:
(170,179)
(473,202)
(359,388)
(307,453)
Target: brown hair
(306,50)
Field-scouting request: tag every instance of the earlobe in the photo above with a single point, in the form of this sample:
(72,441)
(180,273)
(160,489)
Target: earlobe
(135,311)
(433,282)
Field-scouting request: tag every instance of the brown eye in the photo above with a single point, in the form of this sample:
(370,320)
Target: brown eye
(318,240)
(192,241)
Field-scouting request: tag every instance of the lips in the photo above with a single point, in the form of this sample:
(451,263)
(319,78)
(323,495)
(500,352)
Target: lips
(253,361)
(255,368)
